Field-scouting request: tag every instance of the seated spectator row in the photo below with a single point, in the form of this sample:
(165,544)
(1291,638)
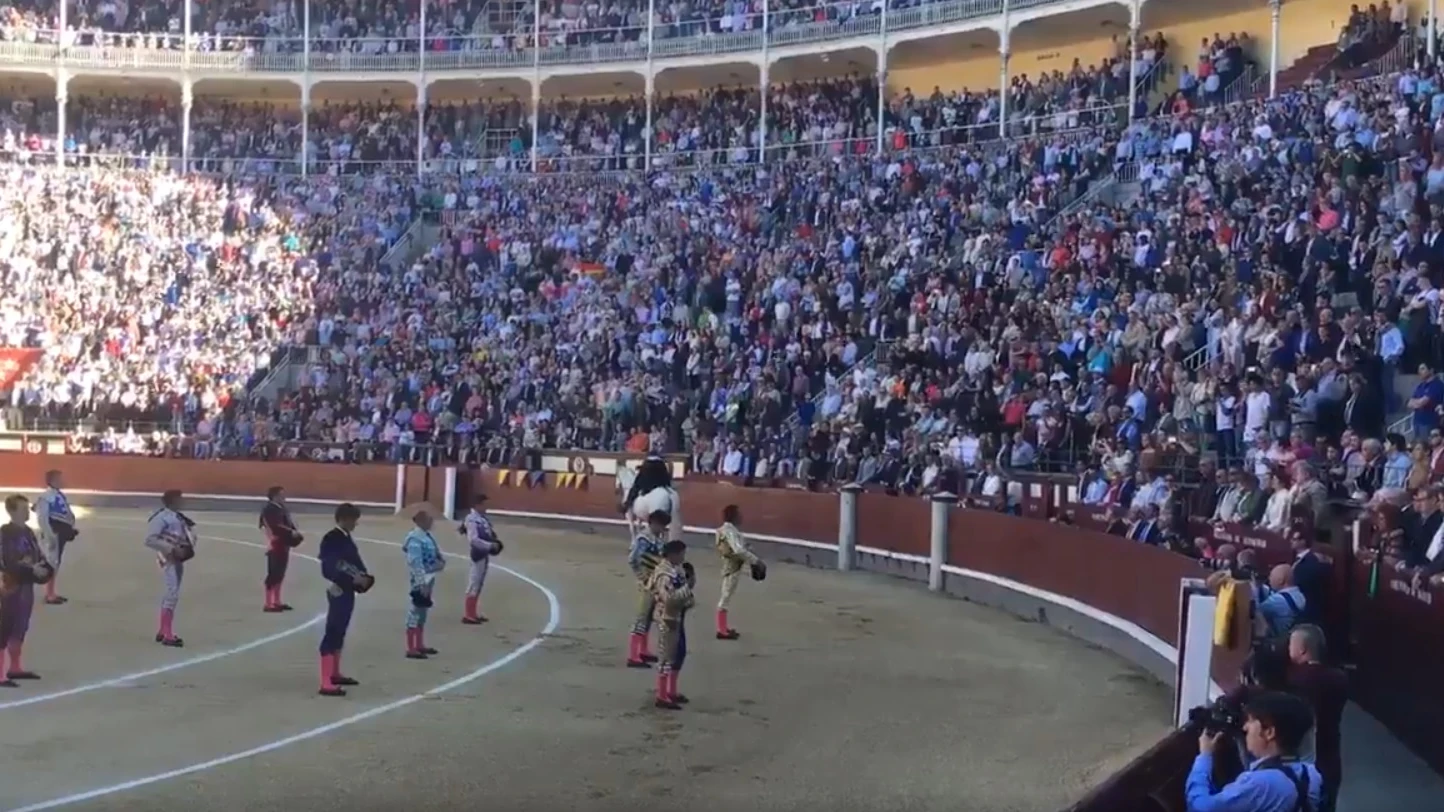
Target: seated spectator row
(467,34)
(724,125)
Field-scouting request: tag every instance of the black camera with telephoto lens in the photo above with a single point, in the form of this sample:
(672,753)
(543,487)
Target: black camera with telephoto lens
(1224,716)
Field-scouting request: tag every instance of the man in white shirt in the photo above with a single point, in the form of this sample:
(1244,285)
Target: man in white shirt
(1255,409)
(732,463)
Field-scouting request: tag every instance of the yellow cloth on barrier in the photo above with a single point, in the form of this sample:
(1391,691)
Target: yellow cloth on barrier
(1223,614)
(1233,616)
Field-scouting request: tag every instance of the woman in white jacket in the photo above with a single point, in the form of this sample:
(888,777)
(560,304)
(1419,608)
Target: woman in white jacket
(1277,512)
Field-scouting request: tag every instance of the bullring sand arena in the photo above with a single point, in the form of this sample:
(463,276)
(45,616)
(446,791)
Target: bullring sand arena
(850,693)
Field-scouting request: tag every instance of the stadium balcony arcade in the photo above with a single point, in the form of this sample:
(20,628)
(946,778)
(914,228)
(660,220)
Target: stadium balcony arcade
(188,58)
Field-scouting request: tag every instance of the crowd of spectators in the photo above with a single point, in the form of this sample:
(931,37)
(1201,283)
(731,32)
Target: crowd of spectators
(153,293)
(1370,31)
(1251,291)
(377,28)
(721,126)
(1222,61)
(1274,275)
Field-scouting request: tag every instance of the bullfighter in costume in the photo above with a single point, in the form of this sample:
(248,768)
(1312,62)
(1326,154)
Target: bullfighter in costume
(671,588)
(732,546)
(172,536)
(482,543)
(22,566)
(57,529)
(342,566)
(645,555)
(424,562)
(281,537)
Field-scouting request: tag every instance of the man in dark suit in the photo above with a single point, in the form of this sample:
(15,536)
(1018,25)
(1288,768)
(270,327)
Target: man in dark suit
(1311,576)
(1420,521)
(1117,525)
(1326,689)
(1362,410)
(1146,529)
(1204,499)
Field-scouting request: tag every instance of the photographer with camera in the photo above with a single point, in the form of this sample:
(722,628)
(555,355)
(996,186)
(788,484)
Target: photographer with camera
(1274,725)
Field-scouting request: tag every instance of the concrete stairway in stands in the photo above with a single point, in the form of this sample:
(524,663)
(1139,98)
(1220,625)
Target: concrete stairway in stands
(1306,67)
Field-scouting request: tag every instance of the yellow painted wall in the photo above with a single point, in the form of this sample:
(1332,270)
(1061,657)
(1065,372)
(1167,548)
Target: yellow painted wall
(982,73)
(1303,25)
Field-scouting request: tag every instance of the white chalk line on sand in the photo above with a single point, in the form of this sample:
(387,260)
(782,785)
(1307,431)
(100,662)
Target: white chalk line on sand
(554,619)
(123,679)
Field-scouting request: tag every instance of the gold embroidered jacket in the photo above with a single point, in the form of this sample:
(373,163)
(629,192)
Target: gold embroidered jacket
(732,546)
(668,586)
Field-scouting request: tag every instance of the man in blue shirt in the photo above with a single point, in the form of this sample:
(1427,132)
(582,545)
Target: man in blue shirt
(1275,726)
(1428,394)
(1283,605)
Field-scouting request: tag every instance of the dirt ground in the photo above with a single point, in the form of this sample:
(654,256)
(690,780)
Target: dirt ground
(849,692)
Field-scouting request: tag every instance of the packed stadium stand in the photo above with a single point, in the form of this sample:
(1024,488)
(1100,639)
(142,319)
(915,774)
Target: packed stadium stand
(842,276)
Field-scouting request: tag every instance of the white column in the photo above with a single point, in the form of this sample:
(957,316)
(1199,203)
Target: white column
(421,89)
(536,81)
(448,504)
(306,39)
(535,118)
(187,98)
(1003,77)
(765,79)
(882,75)
(1434,33)
(1275,7)
(421,123)
(649,86)
(305,87)
(847,526)
(305,124)
(400,486)
(766,84)
(62,98)
(1136,10)
(938,539)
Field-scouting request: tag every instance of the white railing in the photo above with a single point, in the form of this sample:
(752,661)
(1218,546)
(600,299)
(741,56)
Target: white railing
(403,243)
(288,53)
(1242,88)
(1148,82)
(1398,58)
(1404,427)
(1196,359)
